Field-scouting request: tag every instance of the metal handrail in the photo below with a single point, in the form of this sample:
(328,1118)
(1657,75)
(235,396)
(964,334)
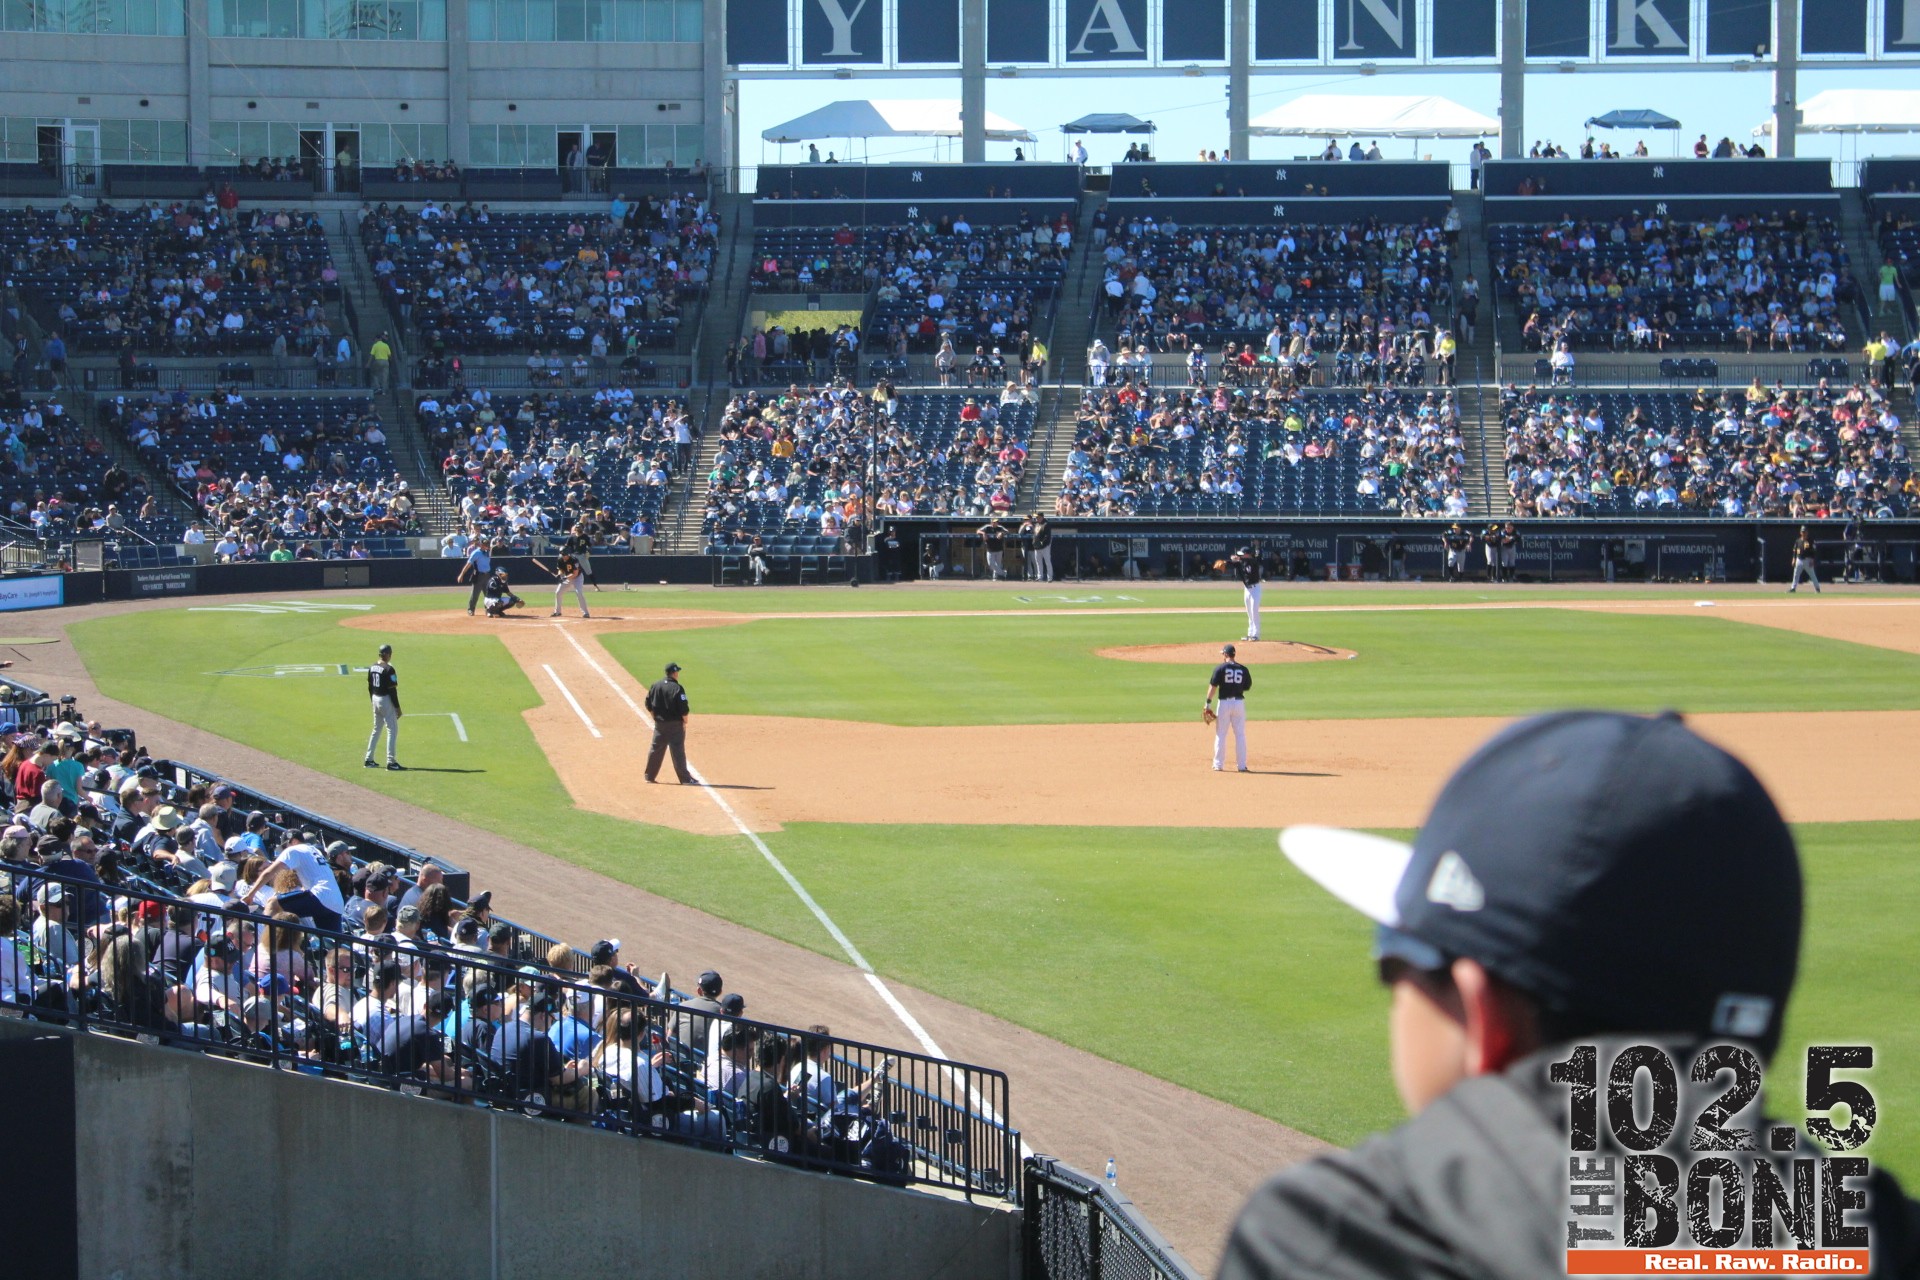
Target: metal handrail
(897,1116)
(1077,1227)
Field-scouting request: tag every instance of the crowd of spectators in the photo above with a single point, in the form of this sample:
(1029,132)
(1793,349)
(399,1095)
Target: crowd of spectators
(175,912)
(945,281)
(802,460)
(57,479)
(1779,282)
(1226,450)
(1305,288)
(520,467)
(1762,453)
(180,279)
(475,280)
(271,477)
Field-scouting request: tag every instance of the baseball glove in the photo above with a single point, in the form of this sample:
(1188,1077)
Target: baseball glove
(1219,566)
(1207,716)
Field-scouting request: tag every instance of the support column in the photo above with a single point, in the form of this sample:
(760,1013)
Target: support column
(1786,75)
(459,82)
(1239,90)
(719,103)
(199,86)
(1513,79)
(973,80)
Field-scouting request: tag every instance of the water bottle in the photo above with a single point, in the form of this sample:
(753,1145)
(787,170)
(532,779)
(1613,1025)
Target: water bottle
(1113,1175)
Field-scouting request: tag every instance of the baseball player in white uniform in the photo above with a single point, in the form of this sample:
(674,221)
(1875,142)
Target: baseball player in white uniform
(383,686)
(1229,682)
(1247,565)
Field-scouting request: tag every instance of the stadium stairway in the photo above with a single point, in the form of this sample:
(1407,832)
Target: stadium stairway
(679,532)
(1863,247)
(1476,360)
(1482,428)
(1067,342)
(369,309)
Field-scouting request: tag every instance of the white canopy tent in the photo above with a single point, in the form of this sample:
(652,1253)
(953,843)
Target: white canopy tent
(1856,111)
(1334,115)
(889,118)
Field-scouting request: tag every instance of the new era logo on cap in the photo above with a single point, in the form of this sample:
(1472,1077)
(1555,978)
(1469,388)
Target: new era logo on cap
(1453,884)
(1744,1017)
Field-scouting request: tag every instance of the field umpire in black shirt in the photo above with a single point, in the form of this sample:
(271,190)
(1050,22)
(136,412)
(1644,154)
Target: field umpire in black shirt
(667,704)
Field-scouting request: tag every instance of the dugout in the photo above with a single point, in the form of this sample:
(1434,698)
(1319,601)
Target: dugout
(1406,550)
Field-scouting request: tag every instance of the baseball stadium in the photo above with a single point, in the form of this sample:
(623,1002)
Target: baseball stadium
(1101,713)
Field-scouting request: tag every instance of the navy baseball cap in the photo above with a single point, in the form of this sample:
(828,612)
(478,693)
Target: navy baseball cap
(1622,870)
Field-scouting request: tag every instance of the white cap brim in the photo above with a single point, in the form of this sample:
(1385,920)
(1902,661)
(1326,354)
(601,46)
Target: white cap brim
(1361,870)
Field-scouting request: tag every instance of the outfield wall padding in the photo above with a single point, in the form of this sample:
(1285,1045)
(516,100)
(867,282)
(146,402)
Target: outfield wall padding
(151,1162)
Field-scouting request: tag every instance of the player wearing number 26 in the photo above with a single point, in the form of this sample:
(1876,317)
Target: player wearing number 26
(1584,879)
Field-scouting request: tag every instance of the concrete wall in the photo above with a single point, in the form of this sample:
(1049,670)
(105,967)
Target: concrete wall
(187,1165)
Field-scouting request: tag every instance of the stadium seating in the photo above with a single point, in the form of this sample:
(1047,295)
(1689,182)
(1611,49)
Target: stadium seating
(1739,282)
(797,466)
(1778,453)
(1326,288)
(58,479)
(286,468)
(478,281)
(1201,453)
(981,286)
(179,280)
(522,466)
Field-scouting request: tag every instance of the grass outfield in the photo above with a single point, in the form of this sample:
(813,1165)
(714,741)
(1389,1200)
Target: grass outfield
(1196,955)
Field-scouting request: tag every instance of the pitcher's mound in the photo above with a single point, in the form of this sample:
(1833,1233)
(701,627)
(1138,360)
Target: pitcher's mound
(1251,652)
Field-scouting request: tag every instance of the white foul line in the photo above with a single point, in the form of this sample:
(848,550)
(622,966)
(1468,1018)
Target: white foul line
(571,700)
(900,1011)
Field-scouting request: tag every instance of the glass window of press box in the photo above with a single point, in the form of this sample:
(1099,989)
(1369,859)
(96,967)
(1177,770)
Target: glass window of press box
(600,21)
(328,19)
(95,17)
(31,140)
(244,141)
(537,146)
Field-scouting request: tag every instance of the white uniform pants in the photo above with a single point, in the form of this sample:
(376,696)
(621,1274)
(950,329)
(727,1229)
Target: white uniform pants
(995,569)
(385,716)
(579,592)
(1252,593)
(1803,568)
(1043,564)
(1233,711)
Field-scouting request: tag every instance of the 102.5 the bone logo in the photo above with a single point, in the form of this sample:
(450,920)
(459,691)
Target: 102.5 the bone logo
(1646,1195)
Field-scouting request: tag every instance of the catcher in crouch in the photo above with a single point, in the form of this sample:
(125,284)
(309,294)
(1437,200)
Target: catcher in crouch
(1229,683)
(499,595)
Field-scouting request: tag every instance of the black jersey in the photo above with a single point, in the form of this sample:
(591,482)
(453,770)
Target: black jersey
(383,681)
(1042,535)
(667,700)
(1232,680)
(995,537)
(568,567)
(1457,540)
(1250,573)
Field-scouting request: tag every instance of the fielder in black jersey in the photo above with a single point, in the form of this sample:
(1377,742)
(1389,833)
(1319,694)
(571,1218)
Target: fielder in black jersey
(1457,542)
(1247,567)
(383,687)
(1230,683)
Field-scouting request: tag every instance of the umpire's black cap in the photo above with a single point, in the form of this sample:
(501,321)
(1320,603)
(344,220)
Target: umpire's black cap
(672,667)
(1622,870)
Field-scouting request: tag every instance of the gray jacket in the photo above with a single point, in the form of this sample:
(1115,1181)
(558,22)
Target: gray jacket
(1473,1188)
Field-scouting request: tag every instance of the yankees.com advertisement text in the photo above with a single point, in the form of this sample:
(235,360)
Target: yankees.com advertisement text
(1652,1190)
